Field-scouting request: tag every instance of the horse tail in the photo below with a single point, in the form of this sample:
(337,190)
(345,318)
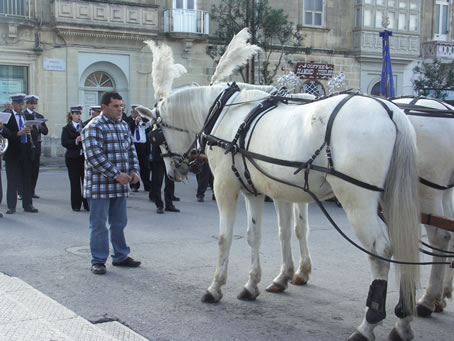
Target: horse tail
(401,208)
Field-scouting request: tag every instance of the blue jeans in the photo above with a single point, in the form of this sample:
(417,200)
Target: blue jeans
(114,211)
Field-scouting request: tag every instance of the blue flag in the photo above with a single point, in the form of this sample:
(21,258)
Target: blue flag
(387,81)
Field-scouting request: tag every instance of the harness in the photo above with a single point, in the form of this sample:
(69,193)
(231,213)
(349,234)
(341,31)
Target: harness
(240,145)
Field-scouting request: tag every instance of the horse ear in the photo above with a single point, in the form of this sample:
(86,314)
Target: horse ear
(146,112)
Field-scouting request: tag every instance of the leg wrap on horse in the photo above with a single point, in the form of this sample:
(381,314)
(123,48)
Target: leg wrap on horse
(376,301)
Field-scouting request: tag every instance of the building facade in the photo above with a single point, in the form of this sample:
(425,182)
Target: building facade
(71,51)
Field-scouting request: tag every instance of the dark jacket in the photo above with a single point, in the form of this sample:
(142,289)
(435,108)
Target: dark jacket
(68,140)
(16,149)
(37,131)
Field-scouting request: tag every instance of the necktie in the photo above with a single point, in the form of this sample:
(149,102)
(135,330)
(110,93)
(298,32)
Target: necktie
(23,138)
(77,126)
(137,134)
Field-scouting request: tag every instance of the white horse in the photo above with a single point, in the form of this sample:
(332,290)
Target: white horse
(366,144)
(435,142)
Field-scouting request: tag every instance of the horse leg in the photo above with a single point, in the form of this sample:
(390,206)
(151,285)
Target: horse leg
(254,209)
(361,208)
(447,282)
(300,214)
(432,203)
(280,282)
(226,193)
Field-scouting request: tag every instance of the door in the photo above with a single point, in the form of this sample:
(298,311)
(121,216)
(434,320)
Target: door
(90,98)
(184,16)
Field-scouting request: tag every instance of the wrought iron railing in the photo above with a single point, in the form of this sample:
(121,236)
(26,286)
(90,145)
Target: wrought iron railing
(186,21)
(16,8)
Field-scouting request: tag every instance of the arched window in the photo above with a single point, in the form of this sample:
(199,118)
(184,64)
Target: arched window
(313,87)
(95,85)
(99,79)
(375,89)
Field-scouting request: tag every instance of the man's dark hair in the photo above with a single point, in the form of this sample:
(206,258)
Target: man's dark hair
(108,96)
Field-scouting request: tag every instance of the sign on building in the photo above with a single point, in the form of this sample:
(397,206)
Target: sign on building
(54,64)
(314,70)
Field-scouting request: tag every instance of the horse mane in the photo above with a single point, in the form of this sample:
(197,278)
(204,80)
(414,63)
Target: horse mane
(192,104)
(164,70)
(236,54)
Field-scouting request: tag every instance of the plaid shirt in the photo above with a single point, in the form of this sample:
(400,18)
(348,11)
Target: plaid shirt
(108,150)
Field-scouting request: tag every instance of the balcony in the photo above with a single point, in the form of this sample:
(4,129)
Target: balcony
(441,50)
(16,8)
(186,21)
(106,19)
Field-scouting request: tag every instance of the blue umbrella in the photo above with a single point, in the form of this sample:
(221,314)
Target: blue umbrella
(387,82)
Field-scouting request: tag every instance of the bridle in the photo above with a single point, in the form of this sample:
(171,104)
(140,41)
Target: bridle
(182,162)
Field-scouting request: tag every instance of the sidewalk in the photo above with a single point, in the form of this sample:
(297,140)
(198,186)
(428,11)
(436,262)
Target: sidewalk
(28,314)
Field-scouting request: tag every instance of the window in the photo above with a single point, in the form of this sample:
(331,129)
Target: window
(184,4)
(403,15)
(99,79)
(13,79)
(441,29)
(313,13)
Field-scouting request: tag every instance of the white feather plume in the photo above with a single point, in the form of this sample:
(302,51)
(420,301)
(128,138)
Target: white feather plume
(163,69)
(237,54)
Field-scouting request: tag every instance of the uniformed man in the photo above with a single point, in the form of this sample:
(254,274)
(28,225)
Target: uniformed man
(31,101)
(19,155)
(139,128)
(95,111)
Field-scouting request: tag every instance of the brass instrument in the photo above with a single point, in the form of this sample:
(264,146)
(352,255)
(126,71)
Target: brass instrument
(3,144)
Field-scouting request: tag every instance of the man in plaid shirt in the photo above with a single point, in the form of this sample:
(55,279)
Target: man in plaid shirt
(110,166)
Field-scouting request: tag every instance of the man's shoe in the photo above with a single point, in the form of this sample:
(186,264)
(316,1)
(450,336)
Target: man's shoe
(135,189)
(159,210)
(200,198)
(76,209)
(31,209)
(174,198)
(172,209)
(34,196)
(128,262)
(98,269)
(11,211)
(1,215)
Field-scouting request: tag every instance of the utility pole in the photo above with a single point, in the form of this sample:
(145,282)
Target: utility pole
(253,37)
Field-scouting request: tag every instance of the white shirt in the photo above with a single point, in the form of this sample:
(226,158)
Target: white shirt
(141,127)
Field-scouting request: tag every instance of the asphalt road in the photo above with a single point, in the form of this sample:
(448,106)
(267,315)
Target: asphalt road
(161,299)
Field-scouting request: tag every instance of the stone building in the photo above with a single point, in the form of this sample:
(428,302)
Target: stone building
(71,51)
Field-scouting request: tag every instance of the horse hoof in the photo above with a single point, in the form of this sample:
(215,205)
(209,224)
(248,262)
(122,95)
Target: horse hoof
(275,288)
(394,336)
(357,336)
(209,298)
(423,311)
(439,307)
(299,280)
(245,295)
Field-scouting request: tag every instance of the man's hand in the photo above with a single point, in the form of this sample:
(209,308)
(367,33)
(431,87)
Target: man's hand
(23,131)
(1,125)
(134,178)
(78,139)
(123,178)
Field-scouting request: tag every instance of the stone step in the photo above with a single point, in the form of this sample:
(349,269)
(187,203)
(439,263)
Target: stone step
(28,314)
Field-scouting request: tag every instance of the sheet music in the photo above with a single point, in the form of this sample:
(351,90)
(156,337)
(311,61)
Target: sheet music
(4,117)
